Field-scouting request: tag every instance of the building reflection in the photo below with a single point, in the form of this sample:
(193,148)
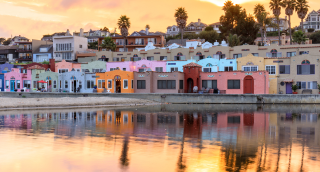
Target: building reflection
(264,141)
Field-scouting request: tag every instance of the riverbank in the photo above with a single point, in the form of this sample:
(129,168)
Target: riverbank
(70,102)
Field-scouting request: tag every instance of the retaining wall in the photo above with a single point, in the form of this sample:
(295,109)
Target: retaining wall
(184,98)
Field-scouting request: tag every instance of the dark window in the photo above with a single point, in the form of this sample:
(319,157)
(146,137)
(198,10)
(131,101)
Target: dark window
(228,68)
(305,69)
(207,69)
(235,56)
(233,84)
(163,58)
(255,54)
(209,84)
(173,69)
(159,69)
(166,84)
(141,84)
(181,84)
(234,120)
(284,69)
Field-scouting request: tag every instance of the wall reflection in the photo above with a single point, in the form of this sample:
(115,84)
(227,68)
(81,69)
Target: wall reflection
(224,141)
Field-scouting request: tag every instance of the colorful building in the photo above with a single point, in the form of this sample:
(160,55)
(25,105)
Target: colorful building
(51,78)
(94,66)
(15,80)
(2,81)
(75,81)
(6,67)
(116,81)
(65,66)
(138,66)
(35,72)
(158,82)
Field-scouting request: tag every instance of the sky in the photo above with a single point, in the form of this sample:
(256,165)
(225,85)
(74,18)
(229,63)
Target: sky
(34,18)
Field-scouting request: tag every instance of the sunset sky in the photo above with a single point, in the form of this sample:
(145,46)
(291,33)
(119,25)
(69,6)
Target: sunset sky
(34,18)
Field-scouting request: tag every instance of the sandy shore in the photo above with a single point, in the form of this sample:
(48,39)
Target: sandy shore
(70,102)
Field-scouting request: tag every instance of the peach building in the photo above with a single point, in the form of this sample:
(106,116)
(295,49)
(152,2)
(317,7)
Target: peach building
(64,66)
(116,81)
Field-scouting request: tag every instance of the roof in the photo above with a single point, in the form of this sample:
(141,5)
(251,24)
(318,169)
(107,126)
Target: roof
(36,67)
(276,38)
(20,37)
(171,26)
(44,46)
(192,64)
(4,47)
(217,23)
(177,41)
(198,23)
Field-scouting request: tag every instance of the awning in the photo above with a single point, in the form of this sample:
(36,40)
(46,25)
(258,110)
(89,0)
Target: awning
(288,80)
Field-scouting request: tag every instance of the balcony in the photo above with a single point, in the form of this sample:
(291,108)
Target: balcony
(24,59)
(3,60)
(20,50)
(64,50)
(187,29)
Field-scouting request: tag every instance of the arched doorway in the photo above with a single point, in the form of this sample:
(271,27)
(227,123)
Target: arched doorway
(248,85)
(190,85)
(117,82)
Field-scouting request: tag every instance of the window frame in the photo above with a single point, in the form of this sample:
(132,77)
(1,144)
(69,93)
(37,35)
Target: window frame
(110,83)
(210,69)
(125,80)
(142,84)
(271,69)
(233,84)
(250,68)
(310,65)
(27,84)
(284,69)
(228,68)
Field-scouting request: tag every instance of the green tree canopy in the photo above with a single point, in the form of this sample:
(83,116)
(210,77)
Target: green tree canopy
(210,36)
(233,40)
(105,29)
(315,37)
(299,37)
(6,42)
(93,45)
(108,44)
(2,40)
(208,28)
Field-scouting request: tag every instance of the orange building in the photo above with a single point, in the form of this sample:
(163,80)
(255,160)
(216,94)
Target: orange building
(116,81)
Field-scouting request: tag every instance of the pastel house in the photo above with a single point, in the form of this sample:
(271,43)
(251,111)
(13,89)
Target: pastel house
(124,66)
(36,70)
(138,66)
(94,66)
(50,77)
(43,53)
(15,80)
(6,67)
(75,81)
(116,81)
(177,65)
(1,81)
(65,66)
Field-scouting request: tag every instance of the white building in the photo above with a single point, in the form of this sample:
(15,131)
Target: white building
(283,25)
(216,26)
(312,21)
(65,47)
(172,30)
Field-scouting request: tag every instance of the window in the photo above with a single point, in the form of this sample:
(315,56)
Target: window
(7,84)
(305,69)
(284,69)
(35,84)
(124,69)
(24,70)
(132,84)
(109,84)
(80,84)
(142,70)
(159,69)
(18,84)
(26,84)
(303,52)
(112,69)
(66,84)
(250,68)
(291,54)
(181,84)
(307,84)
(115,59)
(125,84)
(141,84)
(235,56)
(163,58)
(80,46)
(54,84)
(63,70)
(271,69)
(173,69)
(206,69)
(101,83)
(166,84)
(209,84)
(150,58)
(228,68)
(233,84)
(96,70)
(0,83)
(255,54)
(90,84)
(233,119)
(37,75)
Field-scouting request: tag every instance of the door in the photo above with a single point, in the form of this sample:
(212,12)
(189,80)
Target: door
(190,85)
(12,85)
(248,119)
(288,88)
(248,85)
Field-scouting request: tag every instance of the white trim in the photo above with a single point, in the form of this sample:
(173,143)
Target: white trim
(127,84)
(108,83)
(275,69)
(250,68)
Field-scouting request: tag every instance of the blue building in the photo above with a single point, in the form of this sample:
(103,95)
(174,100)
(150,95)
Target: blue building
(43,53)
(177,65)
(2,81)
(6,67)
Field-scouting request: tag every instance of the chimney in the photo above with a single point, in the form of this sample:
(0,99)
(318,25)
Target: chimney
(199,21)
(81,32)
(52,65)
(147,31)
(68,32)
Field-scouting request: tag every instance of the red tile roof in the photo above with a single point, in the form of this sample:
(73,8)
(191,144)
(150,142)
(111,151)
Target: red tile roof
(192,64)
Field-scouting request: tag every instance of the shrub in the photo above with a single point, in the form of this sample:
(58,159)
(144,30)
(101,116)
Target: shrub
(310,30)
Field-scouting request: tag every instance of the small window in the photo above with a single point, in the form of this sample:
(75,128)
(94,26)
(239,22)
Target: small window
(233,119)
(206,69)
(109,84)
(306,69)
(7,84)
(141,70)
(159,69)
(124,69)
(163,58)
(255,54)
(181,84)
(173,69)
(125,84)
(101,83)
(235,56)
(228,68)
(18,84)
(0,83)
(80,46)
(65,84)
(166,84)
(233,84)
(249,68)
(211,84)
(141,84)
(132,84)
(284,69)
(271,69)
(27,84)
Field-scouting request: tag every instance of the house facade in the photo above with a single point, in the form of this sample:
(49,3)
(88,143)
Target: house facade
(172,30)
(43,53)
(64,66)
(6,67)
(312,21)
(138,66)
(15,80)
(24,51)
(52,79)
(116,81)
(36,70)
(195,27)
(94,66)
(74,81)
(8,54)
(66,47)
(283,24)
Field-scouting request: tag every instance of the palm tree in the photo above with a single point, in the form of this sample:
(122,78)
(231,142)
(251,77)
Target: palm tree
(290,7)
(181,16)
(257,11)
(275,6)
(148,26)
(302,10)
(264,21)
(124,25)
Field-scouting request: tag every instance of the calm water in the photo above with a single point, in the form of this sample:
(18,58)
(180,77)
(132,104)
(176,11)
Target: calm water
(162,138)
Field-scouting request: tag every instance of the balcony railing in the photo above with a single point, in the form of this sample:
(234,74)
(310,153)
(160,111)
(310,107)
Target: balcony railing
(64,50)
(24,50)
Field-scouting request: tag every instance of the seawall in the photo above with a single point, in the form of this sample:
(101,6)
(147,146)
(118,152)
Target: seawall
(184,98)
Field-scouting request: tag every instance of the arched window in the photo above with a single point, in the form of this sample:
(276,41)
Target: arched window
(305,62)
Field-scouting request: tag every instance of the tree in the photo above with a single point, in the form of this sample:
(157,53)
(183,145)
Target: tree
(208,28)
(233,40)
(105,29)
(7,42)
(259,12)
(124,25)
(93,45)
(275,6)
(264,21)
(236,21)
(108,44)
(210,36)
(181,16)
(147,27)
(302,8)
(2,40)
(299,37)
(290,7)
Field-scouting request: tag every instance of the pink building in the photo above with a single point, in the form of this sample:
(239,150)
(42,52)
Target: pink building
(138,66)
(64,66)
(236,82)
(17,80)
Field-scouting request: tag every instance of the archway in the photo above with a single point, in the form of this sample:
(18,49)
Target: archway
(248,85)
(117,82)
(190,85)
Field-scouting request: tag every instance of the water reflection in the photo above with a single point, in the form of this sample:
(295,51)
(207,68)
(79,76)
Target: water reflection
(166,138)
